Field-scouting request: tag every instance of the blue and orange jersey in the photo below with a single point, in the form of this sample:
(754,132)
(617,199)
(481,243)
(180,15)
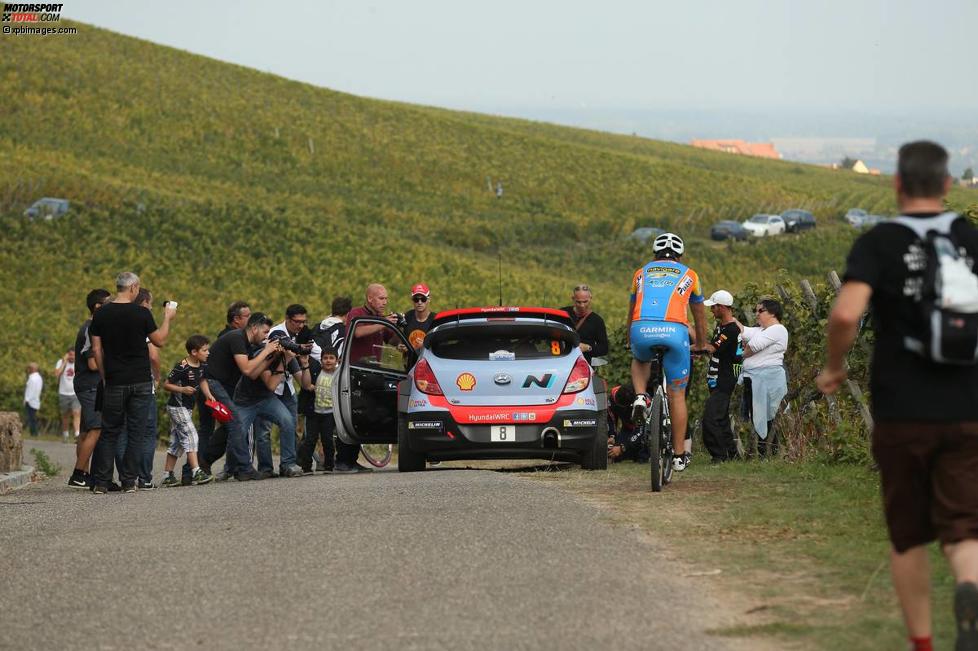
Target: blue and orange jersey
(662,291)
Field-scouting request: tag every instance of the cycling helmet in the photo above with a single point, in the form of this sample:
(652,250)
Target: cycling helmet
(668,245)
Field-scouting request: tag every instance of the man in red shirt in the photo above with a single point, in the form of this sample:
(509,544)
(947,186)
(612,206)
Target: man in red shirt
(367,340)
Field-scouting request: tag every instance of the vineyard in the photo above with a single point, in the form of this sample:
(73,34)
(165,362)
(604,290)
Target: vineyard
(215,182)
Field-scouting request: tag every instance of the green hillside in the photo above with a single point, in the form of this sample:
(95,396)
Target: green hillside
(216,182)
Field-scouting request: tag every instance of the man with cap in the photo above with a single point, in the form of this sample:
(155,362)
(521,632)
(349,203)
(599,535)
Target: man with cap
(721,378)
(418,321)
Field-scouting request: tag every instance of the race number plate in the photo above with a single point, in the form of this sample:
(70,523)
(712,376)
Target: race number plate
(502,433)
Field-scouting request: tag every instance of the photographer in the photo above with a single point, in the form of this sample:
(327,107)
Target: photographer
(293,329)
(254,395)
(228,361)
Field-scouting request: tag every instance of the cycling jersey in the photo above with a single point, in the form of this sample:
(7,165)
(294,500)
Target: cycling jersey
(662,291)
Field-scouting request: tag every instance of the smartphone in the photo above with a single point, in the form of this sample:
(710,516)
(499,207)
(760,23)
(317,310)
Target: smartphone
(172,304)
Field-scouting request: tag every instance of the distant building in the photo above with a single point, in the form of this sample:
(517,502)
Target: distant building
(742,147)
(860,167)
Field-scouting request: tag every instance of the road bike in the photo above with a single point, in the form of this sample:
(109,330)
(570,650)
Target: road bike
(658,425)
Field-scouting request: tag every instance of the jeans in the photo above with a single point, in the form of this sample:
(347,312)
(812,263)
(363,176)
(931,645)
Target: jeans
(148,452)
(31,414)
(124,407)
(263,432)
(319,427)
(274,410)
(230,436)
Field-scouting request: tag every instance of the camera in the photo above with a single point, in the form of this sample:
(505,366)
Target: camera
(401,320)
(289,344)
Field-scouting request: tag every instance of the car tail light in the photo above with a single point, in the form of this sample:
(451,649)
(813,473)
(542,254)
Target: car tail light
(425,379)
(579,378)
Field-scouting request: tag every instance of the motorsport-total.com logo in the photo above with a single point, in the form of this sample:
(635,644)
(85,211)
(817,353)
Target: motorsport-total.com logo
(32,19)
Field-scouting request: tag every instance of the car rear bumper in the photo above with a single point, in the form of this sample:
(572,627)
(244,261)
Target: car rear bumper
(439,436)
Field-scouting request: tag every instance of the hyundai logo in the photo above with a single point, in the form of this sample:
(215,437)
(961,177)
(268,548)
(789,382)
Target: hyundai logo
(502,378)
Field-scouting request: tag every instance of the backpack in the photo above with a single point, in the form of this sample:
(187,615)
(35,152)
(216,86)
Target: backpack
(949,294)
(331,336)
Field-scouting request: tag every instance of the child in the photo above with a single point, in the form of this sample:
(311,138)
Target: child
(183,383)
(320,424)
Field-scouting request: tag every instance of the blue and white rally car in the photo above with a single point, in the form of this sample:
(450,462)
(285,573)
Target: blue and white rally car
(488,383)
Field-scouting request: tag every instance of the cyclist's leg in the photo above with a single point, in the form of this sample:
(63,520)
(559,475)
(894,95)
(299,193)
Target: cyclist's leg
(641,356)
(676,366)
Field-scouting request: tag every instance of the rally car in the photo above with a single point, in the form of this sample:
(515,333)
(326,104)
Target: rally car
(488,383)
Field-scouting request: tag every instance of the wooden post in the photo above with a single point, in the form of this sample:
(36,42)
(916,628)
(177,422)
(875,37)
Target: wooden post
(854,389)
(312,148)
(11,443)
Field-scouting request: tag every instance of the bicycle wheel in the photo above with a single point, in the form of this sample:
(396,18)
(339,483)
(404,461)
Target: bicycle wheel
(377,455)
(653,426)
(666,454)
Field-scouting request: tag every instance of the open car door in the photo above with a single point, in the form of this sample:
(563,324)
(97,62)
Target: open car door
(365,389)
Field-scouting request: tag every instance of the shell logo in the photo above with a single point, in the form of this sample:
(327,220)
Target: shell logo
(465,381)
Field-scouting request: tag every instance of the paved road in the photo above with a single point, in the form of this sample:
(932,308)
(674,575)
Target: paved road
(447,559)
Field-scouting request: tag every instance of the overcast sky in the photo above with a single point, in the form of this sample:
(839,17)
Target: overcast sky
(860,55)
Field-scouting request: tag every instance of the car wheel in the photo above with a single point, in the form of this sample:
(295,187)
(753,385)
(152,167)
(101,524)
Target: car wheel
(407,459)
(596,458)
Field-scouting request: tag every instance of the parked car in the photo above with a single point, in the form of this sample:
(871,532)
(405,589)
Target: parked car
(728,230)
(488,383)
(855,216)
(646,234)
(796,220)
(47,208)
(762,225)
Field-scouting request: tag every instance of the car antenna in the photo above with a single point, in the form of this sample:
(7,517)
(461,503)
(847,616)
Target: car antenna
(500,256)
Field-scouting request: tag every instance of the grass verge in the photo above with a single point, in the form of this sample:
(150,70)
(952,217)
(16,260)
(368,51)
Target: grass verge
(800,548)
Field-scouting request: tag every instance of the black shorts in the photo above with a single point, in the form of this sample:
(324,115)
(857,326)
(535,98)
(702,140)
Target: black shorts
(929,476)
(90,419)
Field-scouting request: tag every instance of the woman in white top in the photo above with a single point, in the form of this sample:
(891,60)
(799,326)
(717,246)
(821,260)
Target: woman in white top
(764,349)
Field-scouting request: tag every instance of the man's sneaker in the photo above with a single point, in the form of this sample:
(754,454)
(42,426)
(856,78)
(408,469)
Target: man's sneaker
(266,474)
(325,469)
(99,489)
(248,475)
(363,468)
(681,462)
(224,475)
(308,471)
(79,479)
(129,488)
(344,469)
(291,471)
(966,616)
(202,477)
(641,407)
(169,481)
(145,485)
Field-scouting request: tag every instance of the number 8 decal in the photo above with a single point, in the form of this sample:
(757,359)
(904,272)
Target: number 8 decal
(555,347)
(502,433)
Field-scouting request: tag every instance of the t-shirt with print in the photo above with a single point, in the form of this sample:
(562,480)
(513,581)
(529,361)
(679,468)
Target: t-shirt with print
(252,391)
(415,330)
(85,378)
(221,365)
(904,386)
(324,392)
(66,383)
(185,375)
(123,328)
(722,374)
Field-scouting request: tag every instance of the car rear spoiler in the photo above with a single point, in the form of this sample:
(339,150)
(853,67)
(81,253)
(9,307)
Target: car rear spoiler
(503,313)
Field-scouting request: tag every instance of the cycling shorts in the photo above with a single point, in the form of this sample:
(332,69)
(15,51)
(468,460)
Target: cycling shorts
(674,337)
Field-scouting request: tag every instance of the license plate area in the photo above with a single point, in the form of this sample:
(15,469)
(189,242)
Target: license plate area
(502,433)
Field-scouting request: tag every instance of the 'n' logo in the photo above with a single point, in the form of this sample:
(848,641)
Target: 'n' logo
(546,381)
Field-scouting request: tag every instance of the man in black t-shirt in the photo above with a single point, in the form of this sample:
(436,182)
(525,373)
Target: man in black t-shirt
(228,361)
(589,325)
(417,322)
(86,389)
(118,332)
(721,378)
(925,437)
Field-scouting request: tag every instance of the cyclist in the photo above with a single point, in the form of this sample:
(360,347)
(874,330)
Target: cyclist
(662,292)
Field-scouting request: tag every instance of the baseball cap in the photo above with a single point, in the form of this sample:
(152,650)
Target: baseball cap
(422,289)
(720,297)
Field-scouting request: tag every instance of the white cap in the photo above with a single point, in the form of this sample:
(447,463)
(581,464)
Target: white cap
(720,297)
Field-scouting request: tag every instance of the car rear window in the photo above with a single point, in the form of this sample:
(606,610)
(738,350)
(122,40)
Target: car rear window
(501,344)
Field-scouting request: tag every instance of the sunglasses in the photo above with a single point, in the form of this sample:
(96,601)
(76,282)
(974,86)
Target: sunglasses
(420,299)
(298,321)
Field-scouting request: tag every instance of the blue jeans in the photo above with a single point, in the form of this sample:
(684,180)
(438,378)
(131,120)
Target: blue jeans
(238,458)
(31,414)
(124,407)
(263,432)
(145,470)
(274,410)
